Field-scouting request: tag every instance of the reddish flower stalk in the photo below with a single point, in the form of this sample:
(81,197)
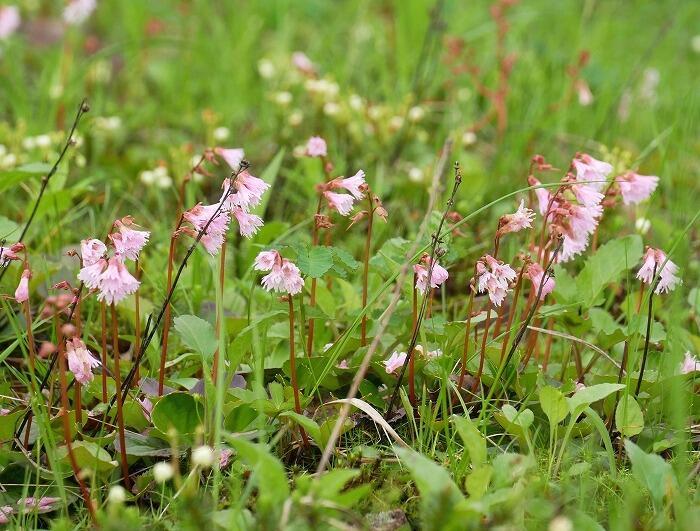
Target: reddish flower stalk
(103,319)
(66,425)
(293,367)
(412,358)
(118,390)
(312,298)
(467,330)
(168,307)
(511,312)
(32,361)
(482,352)
(77,391)
(365,272)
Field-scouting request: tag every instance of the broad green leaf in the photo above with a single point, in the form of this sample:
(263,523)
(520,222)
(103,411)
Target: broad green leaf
(603,322)
(88,456)
(315,261)
(308,424)
(8,424)
(179,411)
(477,482)
(629,419)
(653,472)
(268,475)
(197,334)
(606,266)
(13,177)
(523,418)
(553,404)
(585,397)
(474,441)
(439,494)
(239,418)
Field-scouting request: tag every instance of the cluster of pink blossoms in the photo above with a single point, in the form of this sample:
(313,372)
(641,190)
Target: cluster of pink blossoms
(30,504)
(494,277)
(283,276)
(109,275)
(438,276)
(575,215)
(341,202)
(241,193)
(655,260)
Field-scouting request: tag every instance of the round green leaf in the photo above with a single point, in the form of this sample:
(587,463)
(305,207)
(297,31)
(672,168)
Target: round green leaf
(553,404)
(180,411)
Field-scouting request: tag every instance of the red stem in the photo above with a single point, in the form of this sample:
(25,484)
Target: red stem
(365,273)
(120,412)
(293,367)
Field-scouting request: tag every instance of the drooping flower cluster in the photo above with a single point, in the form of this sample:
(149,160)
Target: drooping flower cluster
(574,211)
(521,219)
(342,202)
(80,360)
(493,277)
(284,276)
(655,260)
(10,21)
(109,275)
(438,275)
(242,192)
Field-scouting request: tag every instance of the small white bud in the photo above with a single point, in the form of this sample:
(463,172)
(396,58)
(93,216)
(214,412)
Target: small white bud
(560,523)
(695,43)
(468,138)
(295,118)
(266,68)
(163,471)
(117,495)
(220,133)
(43,141)
(331,108)
(642,225)
(203,456)
(416,114)
(283,98)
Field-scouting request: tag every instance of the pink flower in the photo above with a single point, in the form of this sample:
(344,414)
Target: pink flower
(22,291)
(232,156)
(247,191)
(90,275)
(343,365)
(494,277)
(591,170)
(224,457)
(395,361)
(585,96)
(284,276)
(199,216)
(535,273)
(352,184)
(587,195)
(91,251)
(543,196)
(266,260)
(438,276)
(80,360)
(78,11)
(9,21)
(522,219)
(656,259)
(316,147)
(578,223)
(115,283)
(340,202)
(248,224)
(636,188)
(689,364)
(128,242)
(580,386)
(302,62)
(10,253)
(42,505)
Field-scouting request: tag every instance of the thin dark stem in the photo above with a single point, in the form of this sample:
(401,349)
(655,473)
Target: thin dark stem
(424,304)
(411,364)
(82,109)
(646,339)
(467,331)
(137,317)
(166,323)
(103,337)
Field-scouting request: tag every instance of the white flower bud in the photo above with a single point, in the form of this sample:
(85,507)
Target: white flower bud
(295,118)
(117,495)
(220,133)
(642,225)
(203,456)
(266,68)
(468,138)
(416,114)
(163,471)
(283,98)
